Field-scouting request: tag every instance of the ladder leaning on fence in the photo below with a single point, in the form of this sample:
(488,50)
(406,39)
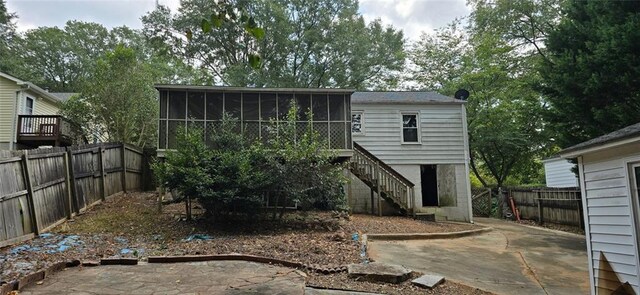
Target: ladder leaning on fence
(382,179)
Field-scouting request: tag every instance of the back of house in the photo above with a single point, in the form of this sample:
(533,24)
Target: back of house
(422,136)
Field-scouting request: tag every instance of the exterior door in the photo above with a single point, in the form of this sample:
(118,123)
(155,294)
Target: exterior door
(429,181)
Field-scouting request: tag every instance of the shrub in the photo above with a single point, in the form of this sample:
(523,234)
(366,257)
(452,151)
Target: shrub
(233,175)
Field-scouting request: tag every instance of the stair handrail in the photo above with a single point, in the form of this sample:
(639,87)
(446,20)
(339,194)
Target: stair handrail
(383,165)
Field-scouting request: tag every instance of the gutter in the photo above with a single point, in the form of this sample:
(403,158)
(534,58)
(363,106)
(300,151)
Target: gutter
(574,153)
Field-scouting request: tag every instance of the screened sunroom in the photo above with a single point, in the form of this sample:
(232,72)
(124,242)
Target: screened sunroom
(257,109)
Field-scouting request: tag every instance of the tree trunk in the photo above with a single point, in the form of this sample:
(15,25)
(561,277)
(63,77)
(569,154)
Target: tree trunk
(187,203)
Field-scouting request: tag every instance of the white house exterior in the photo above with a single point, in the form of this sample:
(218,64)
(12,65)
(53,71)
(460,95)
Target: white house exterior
(423,136)
(610,180)
(557,173)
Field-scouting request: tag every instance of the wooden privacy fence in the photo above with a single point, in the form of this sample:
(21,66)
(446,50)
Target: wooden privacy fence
(41,188)
(555,205)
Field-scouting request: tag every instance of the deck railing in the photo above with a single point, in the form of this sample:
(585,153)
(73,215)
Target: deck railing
(383,179)
(53,128)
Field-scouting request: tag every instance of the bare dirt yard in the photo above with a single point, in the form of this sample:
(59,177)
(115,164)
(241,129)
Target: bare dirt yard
(129,226)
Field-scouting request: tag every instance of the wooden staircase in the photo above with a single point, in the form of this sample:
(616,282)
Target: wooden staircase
(382,179)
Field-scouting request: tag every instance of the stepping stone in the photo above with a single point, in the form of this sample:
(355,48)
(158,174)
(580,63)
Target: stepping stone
(379,272)
(428,281)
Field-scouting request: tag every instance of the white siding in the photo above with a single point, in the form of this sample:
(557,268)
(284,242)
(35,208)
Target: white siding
(8,90)
(442,142)
(441,131)
(611,231)
(558,173)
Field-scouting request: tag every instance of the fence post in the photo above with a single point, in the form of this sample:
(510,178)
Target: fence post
(540,212)
(581,213)
(124,168)
(102,174)
(32,206)
(68,207)
(72,178)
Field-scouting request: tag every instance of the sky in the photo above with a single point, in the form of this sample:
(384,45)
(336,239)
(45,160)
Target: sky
(412,16)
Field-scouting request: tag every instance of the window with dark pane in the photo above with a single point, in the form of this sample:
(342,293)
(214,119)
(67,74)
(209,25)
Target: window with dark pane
(409,127)
(268,108)
(177,104)
(195,105)
(336,108)
(163,104)
(319,106)
(233,104)
(214,106)
(250,107)
(304,105)
(284,104)
(162,135)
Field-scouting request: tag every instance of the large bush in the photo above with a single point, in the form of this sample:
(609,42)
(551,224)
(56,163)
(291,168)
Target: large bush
(234,175)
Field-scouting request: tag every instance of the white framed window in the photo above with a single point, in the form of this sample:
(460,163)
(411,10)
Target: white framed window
(357,122)
(28,106)
(410,127)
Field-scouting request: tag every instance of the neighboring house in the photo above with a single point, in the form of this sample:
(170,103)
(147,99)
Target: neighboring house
(557,173)
(423,137)
(609,170)
(409,146)
(29,116)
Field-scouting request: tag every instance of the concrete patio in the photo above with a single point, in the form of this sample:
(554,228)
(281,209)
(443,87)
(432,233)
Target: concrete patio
(511,259)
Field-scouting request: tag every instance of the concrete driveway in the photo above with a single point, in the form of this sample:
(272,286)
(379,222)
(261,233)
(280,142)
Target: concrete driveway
(511,259)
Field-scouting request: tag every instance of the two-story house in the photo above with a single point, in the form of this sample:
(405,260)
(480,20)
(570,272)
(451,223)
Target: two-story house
(29,116)
(408,151)
(422,136)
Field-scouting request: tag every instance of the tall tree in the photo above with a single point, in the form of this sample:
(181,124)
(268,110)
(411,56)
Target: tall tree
(118,99)
(60,59)
(307,44)
(7,36)
(592,76)
(504,109)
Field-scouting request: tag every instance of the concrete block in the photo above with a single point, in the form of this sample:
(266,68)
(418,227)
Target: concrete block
(379,272)
(428,281)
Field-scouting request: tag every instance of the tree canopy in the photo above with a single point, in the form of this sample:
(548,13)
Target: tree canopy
(118,99)
(307,44)
(592,75)
(7,36)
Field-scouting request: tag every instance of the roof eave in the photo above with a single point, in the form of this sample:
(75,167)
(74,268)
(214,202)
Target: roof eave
(252,89)
(34,88)
(570,153)
(408,102)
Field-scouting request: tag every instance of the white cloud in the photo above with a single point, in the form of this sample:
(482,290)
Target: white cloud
(414,16)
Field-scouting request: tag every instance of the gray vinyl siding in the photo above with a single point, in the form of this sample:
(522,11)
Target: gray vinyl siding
(440,127)
(610,220)
(558,173)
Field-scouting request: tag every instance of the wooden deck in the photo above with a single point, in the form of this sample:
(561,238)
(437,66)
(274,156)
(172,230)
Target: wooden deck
(52,130)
